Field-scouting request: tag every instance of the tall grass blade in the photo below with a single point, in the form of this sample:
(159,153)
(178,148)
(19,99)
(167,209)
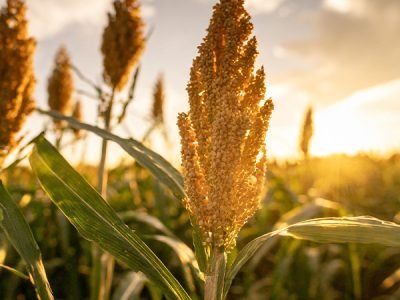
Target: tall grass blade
(141,217)
(18,232)
(95,219)
(150,160)
(130,287)
(362,229)
(147,158)
(186,258)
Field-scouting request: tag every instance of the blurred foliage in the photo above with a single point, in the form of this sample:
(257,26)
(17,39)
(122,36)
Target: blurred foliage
(283,269)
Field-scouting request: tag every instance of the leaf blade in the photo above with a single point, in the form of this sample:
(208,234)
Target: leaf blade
(95,219)
(21,237)
(362,229)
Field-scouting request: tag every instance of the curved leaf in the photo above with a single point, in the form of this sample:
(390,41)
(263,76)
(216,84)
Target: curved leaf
(130,287)
(150,160)
(147,158)
(95,219)
(362,229)
(20,235)
(186,257)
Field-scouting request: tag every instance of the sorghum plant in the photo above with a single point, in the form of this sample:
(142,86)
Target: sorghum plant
(307,132)
(60,85)
(123,42)
(223,134)
(17,80)
(158,101)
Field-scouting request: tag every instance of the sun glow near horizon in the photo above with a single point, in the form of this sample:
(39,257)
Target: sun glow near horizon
(362,122)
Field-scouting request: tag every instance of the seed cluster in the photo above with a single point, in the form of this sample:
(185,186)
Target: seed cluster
(60,85)
(223,134)
(78,115)
(17,79)
(158,101)
(123,42)
(307,132)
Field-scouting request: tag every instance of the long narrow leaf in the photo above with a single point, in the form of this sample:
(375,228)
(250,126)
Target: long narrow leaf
(130,287)
(20,235)
(362,229)
(147,158)
(150,160)
(95,219)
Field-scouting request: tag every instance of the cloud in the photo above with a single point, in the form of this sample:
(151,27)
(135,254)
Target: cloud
(49,17)
(256,6)
(356,45)
(263,6)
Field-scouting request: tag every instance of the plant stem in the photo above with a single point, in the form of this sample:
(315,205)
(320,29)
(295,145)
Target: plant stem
(103,263)
(214,281)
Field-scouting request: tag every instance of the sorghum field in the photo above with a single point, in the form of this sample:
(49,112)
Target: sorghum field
(228,221)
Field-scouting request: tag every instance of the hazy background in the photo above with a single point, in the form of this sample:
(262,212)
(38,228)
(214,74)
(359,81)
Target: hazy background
(341,56)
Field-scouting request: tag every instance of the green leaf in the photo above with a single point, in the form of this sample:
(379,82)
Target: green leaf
(186,257)
(244,255)
(147,158)
(362,229)
(95,219)
(200,251)
(150,160)
(20,235)
(132,216)
(14,271)
(130,286)
(299,213)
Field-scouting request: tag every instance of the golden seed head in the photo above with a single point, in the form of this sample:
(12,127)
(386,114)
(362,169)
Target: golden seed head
(158,101)
(17,79)
(78,115)
(123,42)
(60,85)
(307,132)
(223,134)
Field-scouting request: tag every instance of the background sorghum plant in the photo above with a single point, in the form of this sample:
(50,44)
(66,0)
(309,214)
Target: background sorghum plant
(123,42)
(17,80)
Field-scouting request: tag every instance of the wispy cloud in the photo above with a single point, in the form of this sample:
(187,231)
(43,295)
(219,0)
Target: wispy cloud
(263,6)
(356,45)
(256,6)
(50,17)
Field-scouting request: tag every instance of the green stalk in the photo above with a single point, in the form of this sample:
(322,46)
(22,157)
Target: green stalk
(103,262)
(355,271)
(214,279)
(64,231)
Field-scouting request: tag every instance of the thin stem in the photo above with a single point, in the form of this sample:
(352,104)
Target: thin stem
(85,79)
(214,279)
(103,263)
(87,94)
(149,131)
(102,174)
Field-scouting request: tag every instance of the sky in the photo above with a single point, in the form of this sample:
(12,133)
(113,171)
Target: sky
(340,56)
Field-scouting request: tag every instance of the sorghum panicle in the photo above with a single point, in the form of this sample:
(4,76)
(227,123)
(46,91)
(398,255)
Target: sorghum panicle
(223,134)
(307,132)
(77,114)
(60,84)
(158,100)
(17,79)
(123,42)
